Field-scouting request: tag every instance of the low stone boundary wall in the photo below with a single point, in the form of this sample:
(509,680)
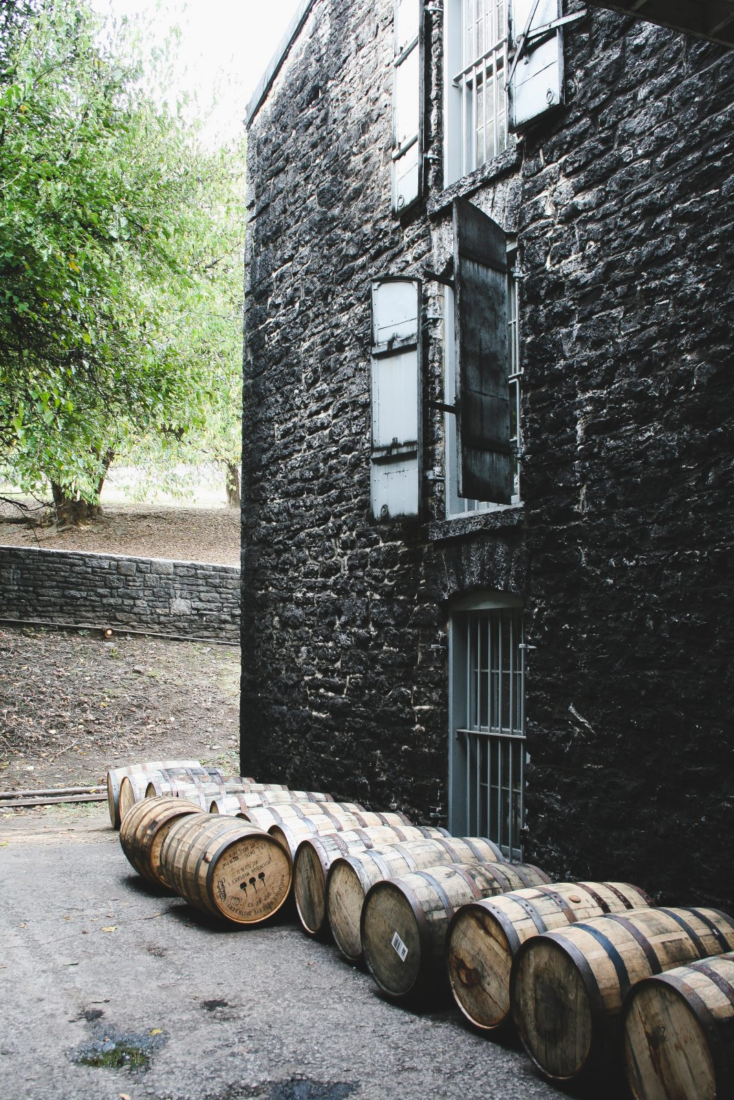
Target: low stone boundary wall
(188,598)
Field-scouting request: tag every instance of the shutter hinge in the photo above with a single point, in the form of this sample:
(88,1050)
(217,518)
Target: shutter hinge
(432,156)
(434,277)
(443,407)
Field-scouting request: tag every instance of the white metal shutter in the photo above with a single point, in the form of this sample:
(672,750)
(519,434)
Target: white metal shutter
(486,465)
(537,80)
(407,146)
(396,397)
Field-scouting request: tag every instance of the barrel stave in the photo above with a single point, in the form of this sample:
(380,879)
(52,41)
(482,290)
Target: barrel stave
(485,935)
(572,982)
(351,877)
(405,919)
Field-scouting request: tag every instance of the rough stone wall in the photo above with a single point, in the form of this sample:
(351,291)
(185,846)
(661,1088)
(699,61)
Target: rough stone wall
(626,224)
(622,207)
(168,597)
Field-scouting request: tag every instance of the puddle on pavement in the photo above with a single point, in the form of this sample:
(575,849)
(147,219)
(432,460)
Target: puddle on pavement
(309,1090)
(115,1051)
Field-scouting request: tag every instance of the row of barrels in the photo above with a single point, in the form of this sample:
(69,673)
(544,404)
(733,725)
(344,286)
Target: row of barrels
(586,971)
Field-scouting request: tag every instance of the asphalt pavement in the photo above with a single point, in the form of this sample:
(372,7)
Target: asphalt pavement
(112,990)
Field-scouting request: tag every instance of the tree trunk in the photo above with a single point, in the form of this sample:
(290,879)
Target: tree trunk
(106,463)
(71,509)
(232,480)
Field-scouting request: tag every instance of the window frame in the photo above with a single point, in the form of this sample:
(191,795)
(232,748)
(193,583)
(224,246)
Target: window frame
(461,79)
(470,744)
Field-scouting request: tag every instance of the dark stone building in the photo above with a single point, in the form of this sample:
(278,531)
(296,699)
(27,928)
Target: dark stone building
(487,510)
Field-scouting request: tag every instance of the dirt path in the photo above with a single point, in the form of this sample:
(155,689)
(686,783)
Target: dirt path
(73,705)
(141,530)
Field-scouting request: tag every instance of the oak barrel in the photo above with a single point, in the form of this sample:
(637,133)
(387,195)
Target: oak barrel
(145,828)
(115,777)
(226,867)
(350,877)
(405,919)
(484,936)
(291,832)
(256,797)
(279,813)
(567,987)
(679,1033)
(315,855)
(133,787)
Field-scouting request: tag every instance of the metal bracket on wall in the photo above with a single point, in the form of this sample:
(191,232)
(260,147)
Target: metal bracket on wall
(434,277)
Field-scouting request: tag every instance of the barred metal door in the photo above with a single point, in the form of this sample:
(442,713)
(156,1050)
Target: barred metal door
(494,729)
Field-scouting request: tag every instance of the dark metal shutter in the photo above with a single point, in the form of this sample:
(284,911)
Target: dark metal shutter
(483,425)
(396,397)
(536,84)
(408,95)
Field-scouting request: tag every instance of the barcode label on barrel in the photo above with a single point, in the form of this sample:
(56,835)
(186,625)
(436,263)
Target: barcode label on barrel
(400,948)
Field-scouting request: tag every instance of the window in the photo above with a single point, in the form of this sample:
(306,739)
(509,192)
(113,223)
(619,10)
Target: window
(487,733)
(489,44)
(476,47)
(456,505)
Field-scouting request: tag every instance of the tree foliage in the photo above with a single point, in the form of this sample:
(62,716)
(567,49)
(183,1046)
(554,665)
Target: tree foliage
(120,247)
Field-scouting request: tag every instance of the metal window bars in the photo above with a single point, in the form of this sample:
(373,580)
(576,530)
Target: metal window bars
(495,728)
(481,81)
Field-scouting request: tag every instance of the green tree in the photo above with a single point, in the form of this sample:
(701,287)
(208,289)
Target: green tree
(118,239)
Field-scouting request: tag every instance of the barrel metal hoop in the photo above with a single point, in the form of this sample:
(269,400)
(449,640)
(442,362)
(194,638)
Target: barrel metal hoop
(445,900)
(561,902)
(649,951)
(376,858)
(614,956)
(712,1029)
(718,979)
(409,859)
(698,943)
(596,1051)
(504,921)
(727,944)
(444,842)
(478,852)
(603,905)
(532,912)
(501,876)
(359,819)
(618,893)
(466,875)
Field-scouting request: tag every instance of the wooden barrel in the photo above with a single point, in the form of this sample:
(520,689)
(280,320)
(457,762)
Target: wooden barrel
(350,877)
(257,798)
(116,775)
(145,828)
(405,919)
(567,987)
(484,936)
(315,855)
(290,833)
(280,813)
(226,867)
(179,782)
(134,786)
(201,789)
(679,1033)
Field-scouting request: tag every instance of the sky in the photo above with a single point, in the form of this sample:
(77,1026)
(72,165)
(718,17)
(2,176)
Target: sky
(225,48)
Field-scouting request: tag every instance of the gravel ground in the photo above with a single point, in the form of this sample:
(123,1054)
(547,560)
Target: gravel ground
(95,966)
(73,705)
(140,530)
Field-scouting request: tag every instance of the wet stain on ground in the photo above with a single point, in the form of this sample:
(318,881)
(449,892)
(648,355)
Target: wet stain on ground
(310,1090)
(296,1088)
(112,1050)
